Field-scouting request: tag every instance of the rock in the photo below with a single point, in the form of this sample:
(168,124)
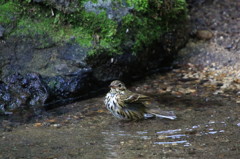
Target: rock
(71,59)
(19,91)
(63,72)
(114,10)
(56,125)
(207,54)
(68,6)
(204,34)
(38,1)
(1,31)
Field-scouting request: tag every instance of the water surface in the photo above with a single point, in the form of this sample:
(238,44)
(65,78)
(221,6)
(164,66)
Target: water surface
(87,130)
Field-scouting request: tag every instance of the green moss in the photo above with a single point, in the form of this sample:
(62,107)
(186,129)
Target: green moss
(143,30)
(139,5)
(8,11)
(175,15)
(32,27)
(137,30)
(81,36)
(29,27)
(102,30)
(158,18)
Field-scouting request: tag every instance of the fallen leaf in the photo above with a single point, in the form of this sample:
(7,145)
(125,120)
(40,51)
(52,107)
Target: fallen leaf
(51,120)
(100,111)
(237,81)
(37,124)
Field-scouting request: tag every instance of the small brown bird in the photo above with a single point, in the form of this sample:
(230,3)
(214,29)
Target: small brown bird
(127,105)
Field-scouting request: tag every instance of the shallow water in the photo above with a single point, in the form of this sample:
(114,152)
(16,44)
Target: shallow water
(87,130)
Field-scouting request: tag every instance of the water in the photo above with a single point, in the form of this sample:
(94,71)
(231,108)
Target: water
(87,130)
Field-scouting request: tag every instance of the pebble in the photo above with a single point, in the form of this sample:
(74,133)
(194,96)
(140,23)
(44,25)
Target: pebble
(218,92)
(56,125)
(204,34)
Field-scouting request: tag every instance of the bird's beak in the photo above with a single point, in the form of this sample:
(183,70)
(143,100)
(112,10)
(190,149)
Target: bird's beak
(112,86)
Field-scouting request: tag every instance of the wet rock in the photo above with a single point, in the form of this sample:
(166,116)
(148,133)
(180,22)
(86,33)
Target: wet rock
(39,71)
(63,72)
(126,66)
(19,91)
(73,85)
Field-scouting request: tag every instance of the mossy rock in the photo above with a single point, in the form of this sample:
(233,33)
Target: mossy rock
(116,26)
(76,47)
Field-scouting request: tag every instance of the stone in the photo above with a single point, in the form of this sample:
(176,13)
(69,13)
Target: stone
(204,34)
(2,29)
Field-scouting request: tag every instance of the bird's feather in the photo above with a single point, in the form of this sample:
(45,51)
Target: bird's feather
(130,97)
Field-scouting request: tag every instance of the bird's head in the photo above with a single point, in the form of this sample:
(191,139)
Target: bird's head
(117,86)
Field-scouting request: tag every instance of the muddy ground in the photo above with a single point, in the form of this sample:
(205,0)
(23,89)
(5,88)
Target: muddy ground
(203,89)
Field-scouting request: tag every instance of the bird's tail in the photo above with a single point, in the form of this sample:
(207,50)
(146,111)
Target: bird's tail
(160,114)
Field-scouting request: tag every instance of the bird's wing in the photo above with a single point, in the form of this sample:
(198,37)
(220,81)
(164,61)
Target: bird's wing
(131,97)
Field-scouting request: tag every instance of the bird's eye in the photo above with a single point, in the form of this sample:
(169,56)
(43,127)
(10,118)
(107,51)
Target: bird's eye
(119,85)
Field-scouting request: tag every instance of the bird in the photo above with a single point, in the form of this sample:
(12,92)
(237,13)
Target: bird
(127,105)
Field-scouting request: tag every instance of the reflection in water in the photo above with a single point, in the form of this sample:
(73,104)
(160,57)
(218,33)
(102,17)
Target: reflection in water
(173,143)
(168,131)
(111,143)
(176,137)
(141,132)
